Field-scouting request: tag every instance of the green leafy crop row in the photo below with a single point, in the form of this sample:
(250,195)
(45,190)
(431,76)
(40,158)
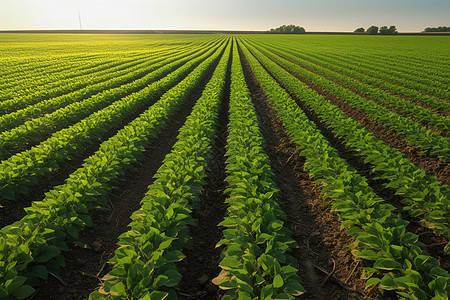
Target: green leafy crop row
(63,87)
(144,265)
(36,130)
(114,78)
(423,195)
(413,132)
(418,65)
(23,170)
(31,247)
(395,83)
(255,263)
(44,76)
(356,82)
(400,262)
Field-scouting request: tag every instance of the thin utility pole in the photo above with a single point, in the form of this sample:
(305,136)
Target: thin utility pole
(79,19)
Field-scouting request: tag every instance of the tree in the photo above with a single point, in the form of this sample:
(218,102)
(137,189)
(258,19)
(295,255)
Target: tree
(438,29)
(384,30)
(288,29)
(372,30)
(393,30)
(360,29)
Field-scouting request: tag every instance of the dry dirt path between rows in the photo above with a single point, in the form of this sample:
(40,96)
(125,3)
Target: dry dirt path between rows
(86,265)
(432,165)
(201,264)
(434,244)
(328,269)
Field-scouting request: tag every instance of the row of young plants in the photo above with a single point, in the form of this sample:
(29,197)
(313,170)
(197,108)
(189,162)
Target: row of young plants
(48,78)
(24,73)
(25,169)
(44,66)
(413,132)
(69,85)
(400,262)
(377,69)
(379,77)
(20,65)
(422,195)
(425,62)
(25,98)
(255,261)
(38,60)
(32,247)
(49,81)
(334,64)
(36,130)
(429,64)
(415,68)
(351,67)
(16,101)
(115,78)
(424,115)
(144,264)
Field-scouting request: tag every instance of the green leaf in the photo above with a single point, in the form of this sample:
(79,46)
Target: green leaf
(386,264)
(372,281)
(40,271)
(278,281)
(387,283)
(23,292)
(96,296)
(366,254)
(49,253)
(174,256)
(244,296)
(223,276)
(174,277)
(157,295)
(294,288)
(230,262)
(14,284)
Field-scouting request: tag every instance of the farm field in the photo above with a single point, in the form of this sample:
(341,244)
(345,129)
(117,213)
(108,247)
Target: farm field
(224,166)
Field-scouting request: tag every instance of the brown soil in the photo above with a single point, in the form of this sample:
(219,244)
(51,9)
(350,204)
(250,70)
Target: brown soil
(86,265)
(327,268)
(431,164)
(201,264)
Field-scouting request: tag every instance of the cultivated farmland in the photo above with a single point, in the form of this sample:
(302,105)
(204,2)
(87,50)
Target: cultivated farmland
(224,167)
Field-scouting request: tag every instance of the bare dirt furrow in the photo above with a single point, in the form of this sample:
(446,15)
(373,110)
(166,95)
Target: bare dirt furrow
(201,264)
(87,264)
(327,268)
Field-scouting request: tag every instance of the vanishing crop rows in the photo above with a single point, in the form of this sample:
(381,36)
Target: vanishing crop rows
(76,134)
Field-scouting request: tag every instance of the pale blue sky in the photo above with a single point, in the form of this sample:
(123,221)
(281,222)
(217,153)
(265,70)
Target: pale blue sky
(314,15)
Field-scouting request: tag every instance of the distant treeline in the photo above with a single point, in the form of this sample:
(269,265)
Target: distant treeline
(437,29)
(375,30)
(287,29)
